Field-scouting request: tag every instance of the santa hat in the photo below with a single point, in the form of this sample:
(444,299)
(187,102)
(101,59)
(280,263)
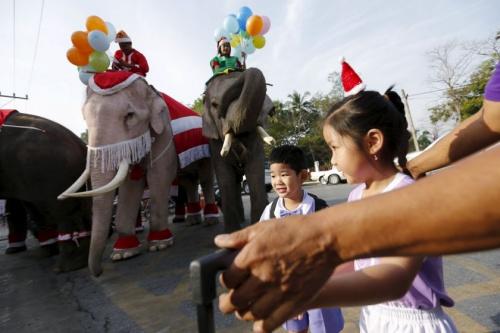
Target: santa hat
(122,37)
(351,82)
(108,83)
(221,41)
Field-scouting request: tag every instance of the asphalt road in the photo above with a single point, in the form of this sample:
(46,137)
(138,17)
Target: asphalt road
(151,293)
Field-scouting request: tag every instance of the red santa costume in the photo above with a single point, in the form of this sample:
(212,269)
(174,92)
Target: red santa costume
(134,58)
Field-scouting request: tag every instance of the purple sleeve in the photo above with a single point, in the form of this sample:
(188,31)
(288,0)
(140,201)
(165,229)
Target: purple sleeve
(492,90)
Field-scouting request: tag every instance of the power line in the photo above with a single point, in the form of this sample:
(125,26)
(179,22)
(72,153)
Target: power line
(8,102)
(36,46)
(14,45)
(437,90)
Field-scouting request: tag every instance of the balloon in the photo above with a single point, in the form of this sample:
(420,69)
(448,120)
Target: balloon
(76,57)
(259,41)
(254,25)
(96,23)
(235,41)
(249,48)
(98,40)
(236,51)
(266,26)
(99,61)
(111,31)
(219,33)
(231,24)
(84,73)
(243,14)
(79,40)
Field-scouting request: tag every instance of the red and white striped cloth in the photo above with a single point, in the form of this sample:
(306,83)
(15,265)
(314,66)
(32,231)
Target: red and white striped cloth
(190,144)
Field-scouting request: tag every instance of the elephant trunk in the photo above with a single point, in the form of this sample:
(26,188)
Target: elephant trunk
(102,207)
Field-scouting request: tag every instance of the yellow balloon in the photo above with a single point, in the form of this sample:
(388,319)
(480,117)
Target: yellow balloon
(235,41)
(96,23)
(259,41)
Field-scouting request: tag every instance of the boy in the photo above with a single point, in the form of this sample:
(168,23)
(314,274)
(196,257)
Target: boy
(288,172)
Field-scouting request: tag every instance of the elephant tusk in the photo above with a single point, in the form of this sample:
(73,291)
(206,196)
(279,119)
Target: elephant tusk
(120,176)
(226,146)
(265,136)
(76,185)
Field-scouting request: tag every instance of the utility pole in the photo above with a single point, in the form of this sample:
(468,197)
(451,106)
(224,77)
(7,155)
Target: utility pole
(410,120)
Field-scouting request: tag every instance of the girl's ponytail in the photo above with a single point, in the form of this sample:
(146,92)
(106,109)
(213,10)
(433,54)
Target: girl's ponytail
(403,145)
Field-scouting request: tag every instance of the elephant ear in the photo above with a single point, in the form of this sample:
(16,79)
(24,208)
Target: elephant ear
(159,111)
(210,123)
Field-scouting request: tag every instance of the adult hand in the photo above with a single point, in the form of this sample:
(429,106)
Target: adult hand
(281,266)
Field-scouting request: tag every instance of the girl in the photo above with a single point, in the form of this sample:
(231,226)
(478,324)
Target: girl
(223,62)
(365,133)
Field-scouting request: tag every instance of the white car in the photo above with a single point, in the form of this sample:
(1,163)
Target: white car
(332,177)
(267,180)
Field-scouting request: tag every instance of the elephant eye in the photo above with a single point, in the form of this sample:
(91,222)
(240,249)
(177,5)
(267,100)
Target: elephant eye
(129,115)
(215,104)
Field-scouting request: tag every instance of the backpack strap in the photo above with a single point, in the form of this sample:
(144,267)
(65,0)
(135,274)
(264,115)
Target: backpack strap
(319,203)
(273,208)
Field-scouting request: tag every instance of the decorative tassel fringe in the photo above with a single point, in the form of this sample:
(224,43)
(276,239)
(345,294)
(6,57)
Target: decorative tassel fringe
(110,156)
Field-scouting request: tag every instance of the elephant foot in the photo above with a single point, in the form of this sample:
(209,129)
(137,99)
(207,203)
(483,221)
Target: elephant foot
(160,240)
(15,249)
(49,250)
(118,255)
(193,219)
(209,221)
(73,255)
(178,220)
(126,246)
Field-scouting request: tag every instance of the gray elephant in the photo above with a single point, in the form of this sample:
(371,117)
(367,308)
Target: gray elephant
(236,110)
(129,124)
(38,159)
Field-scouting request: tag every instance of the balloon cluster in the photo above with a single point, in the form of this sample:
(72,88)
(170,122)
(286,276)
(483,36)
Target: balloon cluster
(245,31)
(89,47)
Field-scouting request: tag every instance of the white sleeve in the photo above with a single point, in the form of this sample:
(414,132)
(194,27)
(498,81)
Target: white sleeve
(266,213)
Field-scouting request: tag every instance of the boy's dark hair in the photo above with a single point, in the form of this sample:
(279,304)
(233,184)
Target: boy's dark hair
(289,154)
(355,115)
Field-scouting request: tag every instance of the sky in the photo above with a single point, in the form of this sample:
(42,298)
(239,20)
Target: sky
(386,42)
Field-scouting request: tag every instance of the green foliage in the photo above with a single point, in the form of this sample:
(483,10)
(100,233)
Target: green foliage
(85,136)
(197,105)
(424,139)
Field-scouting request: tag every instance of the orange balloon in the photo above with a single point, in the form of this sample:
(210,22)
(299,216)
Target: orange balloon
(254,25)
(80,41)
(76,57)
(96,23)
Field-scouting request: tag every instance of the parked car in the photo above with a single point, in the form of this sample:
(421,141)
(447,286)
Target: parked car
(328,177)
(267,180)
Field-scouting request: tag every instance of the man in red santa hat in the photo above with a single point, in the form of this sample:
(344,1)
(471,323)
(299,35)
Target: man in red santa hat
(128,58)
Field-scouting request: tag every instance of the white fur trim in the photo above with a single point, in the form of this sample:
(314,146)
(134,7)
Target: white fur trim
(115,88)
(211,215)
(192,214)
(360,87)
(110,156)
(123,40)
(342,59)
(183,124)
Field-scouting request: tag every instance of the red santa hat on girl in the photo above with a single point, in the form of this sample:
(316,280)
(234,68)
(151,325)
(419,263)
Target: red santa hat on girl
(351,82)
(122,37)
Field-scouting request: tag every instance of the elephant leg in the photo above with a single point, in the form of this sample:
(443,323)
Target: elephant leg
(43,225)
(190,183)
(230,188)
(18,226)
(206,176)
(160,177)
(180,205)
(129,199)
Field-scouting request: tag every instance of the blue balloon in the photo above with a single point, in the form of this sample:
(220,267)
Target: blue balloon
(219,33)
(243,15)
(85,73)
(98,40)
(231,24)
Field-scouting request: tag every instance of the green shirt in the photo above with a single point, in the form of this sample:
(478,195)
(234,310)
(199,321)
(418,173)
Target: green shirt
(225,63)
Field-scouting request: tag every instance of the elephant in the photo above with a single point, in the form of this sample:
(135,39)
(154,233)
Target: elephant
(38,159)
(235,113)
(130,127)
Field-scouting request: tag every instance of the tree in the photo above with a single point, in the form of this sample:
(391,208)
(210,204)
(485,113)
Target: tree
(197,105)
(425,138)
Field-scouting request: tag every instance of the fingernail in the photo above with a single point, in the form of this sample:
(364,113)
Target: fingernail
(221,238)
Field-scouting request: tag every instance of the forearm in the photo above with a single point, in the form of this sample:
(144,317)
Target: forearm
(372,285)
(456,210)
(473,134)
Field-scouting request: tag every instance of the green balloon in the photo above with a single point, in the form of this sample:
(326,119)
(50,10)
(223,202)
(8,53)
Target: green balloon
(99,61)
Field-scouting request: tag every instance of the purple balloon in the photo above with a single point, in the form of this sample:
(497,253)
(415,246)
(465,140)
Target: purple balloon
(266,26)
